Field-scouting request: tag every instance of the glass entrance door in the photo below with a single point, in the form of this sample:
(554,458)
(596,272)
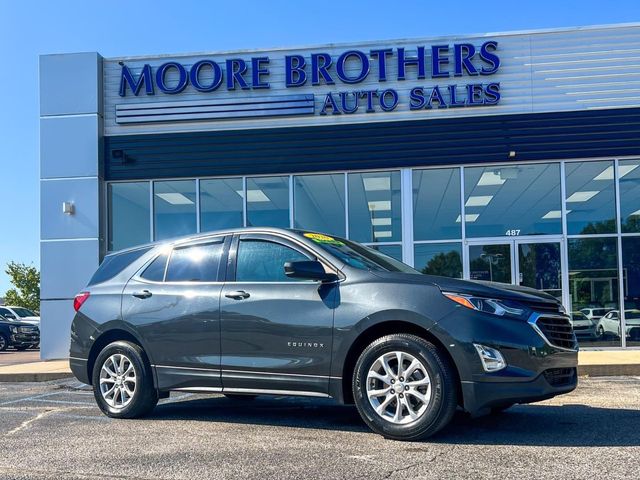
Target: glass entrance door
(528,262)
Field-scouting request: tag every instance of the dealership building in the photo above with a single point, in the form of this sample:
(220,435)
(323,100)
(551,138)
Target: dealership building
(510,157)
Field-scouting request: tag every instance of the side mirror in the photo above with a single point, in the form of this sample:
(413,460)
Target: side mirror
(308,270)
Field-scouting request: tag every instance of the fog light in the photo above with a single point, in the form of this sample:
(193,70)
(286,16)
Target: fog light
(492,359)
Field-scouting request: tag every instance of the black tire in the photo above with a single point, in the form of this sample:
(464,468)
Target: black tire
(238,396)
(442,404)
(145,396)
(22,348)
(4,342)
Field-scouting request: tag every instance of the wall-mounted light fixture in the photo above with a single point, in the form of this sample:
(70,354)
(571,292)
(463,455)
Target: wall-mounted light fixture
(68,208)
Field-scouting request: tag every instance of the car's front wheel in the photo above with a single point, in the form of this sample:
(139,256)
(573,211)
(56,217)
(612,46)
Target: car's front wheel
(404,387)
(122,381)
(4,342)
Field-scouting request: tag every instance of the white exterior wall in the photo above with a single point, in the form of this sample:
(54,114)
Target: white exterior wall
(70,152)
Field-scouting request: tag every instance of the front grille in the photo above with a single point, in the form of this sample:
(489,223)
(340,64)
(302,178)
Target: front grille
(560,377)
(543,307)
(558,331)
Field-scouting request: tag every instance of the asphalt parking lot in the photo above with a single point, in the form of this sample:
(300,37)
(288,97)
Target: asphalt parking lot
(54,430)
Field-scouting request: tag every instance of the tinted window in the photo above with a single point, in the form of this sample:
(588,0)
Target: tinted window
(174,208)
(436,204)
(129,210)
(24,312)
(4,311)
(319,203)
(155,271)
(113,264)
(196,263)
(358,256)
(263,261)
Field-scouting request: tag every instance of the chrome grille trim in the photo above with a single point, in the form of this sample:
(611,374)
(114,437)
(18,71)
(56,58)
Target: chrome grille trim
(533,321)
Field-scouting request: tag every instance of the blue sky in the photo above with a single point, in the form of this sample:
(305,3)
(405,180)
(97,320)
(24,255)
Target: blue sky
(114,28)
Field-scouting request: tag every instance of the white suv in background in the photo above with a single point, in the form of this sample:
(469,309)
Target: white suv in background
(19,314)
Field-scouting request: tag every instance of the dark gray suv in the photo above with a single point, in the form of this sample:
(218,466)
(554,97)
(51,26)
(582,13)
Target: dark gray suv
(265,311)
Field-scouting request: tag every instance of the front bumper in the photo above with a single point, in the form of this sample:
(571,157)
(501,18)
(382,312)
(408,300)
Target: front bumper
(23,339)
(479,397)
(533,362)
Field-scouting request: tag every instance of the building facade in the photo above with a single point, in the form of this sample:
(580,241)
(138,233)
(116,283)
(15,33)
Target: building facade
(505,157)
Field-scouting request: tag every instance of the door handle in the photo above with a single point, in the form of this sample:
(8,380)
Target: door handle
(142,294)
(237,295)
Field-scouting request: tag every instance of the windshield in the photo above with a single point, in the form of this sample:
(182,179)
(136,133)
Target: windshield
(24,312)
(579,316)
(358,256)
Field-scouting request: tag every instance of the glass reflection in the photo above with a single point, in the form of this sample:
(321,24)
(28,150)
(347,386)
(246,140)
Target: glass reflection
(540,267)
(631,269)
(174,208)
(268,202)
(220,204)
(490,262)
(512,200)
(319,203)
(436,204)
(374,207)
(129,214)
(394,251)
(444,259)
(593,287)
(629,173)
(590,201)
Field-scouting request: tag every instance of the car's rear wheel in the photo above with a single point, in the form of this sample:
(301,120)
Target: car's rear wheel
(4,342)
(404,387)
(122,381)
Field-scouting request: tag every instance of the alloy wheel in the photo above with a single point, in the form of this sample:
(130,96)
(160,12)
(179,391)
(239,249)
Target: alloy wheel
(398,387)
(118,381)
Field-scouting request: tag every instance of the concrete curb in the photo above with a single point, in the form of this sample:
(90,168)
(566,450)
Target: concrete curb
(33,377)
(632,370)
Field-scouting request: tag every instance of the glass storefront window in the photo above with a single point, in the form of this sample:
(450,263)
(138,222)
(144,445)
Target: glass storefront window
(318,203)
(394,251)
(436,204)
(443,259)
(593,287)
(129,214)
(220,204)
(268,202)
(631,272)
(374,207)
(512,200)
(629,173)
(174,208)
(590,202)
(490,262)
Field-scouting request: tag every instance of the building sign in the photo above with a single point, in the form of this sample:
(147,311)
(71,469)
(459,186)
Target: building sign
(438,77)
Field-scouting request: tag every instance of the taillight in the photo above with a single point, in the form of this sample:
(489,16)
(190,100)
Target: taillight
(79,300)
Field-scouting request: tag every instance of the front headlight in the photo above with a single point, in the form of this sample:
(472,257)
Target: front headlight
(13,329)
(493,306)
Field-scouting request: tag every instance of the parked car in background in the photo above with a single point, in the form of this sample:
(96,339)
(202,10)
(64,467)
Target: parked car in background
(583,326)
(20,314)
(265,311)
(19,335)
(594,313)
(610,324)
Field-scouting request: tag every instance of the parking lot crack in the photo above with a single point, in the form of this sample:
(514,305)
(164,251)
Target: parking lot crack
(28,422)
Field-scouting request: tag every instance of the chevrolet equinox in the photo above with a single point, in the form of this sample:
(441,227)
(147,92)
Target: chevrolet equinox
(265,311)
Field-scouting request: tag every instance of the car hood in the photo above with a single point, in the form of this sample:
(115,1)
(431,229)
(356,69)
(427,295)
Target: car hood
(472,287)
(16,324)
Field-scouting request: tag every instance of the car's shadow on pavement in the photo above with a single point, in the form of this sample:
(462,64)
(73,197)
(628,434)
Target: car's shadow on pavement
(527,425)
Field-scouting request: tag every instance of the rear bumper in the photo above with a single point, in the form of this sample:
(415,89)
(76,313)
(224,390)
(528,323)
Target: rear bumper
(479,397)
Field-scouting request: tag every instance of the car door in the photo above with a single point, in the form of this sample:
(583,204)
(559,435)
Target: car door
(611,323)
(276,331)
(175,305)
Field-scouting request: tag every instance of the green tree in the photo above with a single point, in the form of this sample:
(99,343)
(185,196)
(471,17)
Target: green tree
(26,282)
